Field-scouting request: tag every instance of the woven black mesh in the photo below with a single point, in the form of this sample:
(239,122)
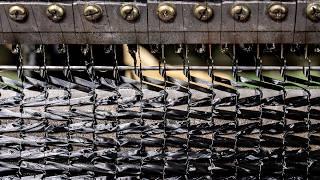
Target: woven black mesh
(85,125)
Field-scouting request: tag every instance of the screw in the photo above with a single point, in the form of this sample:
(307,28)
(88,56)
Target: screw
(129,12)
(166,12)
(203,12)
(92,12)
(313,12)
(55,12)
(18,13)
(277,12)
(240,13)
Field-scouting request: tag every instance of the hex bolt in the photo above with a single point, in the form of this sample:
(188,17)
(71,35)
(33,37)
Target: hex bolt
(277,12)
(55,12)
(129,12)
(166,12)
(313,12)
(92,12)
(18,13)
(240,12)
(203,12)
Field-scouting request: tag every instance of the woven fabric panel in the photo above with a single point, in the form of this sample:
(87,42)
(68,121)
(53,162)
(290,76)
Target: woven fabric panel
(115,127)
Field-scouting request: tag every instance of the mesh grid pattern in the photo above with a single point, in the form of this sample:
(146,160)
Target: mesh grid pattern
(116,127)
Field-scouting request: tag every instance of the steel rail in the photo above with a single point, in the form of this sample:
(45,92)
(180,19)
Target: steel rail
(170,68)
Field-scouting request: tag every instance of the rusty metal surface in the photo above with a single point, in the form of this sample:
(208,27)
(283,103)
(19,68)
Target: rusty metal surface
(148,29)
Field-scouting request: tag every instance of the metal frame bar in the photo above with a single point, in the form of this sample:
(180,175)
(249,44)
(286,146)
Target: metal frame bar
(170,68)
(112,29)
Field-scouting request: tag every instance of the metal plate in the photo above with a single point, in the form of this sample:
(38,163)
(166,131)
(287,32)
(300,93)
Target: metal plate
(272,30)
(134,32)
(29,27)
(113,29)
(307,31)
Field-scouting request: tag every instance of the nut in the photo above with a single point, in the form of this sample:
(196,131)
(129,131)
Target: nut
(18,13)
(313,12)
(240,12)
(55,12)
(92,12)
(203,12)
(129,12)
(277,12)
(166,12)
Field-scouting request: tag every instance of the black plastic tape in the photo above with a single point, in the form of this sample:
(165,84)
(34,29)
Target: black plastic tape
(141,129)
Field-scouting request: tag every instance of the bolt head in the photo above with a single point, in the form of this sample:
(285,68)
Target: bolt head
(313,12)
(92,12)
(203,12)
(55,12)
(18,13)
(129,12)
(166,12)
(240,12)
(277,12)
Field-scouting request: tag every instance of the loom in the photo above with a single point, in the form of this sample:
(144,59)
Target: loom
(148,89)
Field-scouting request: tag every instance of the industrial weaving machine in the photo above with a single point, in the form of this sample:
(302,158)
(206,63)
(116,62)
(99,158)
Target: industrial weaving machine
(217,89)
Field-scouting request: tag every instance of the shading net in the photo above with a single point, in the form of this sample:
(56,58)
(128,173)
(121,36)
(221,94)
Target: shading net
(85,125)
